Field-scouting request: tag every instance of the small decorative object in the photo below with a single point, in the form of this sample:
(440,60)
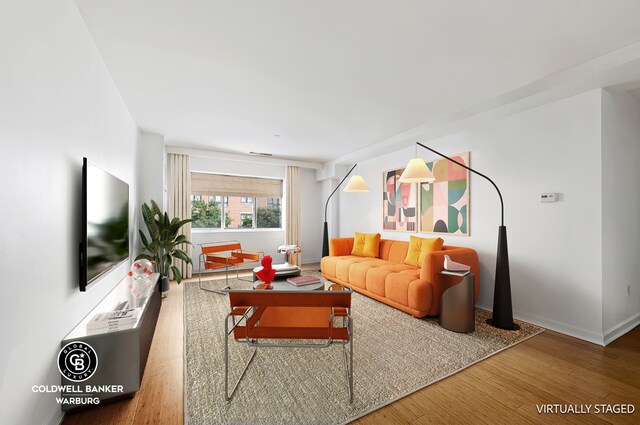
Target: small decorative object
(140,283)
(267,273)
(141,268)
(452,266)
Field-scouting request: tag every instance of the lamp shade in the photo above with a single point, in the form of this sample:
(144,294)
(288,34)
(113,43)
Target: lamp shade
(356,184)
(417,172)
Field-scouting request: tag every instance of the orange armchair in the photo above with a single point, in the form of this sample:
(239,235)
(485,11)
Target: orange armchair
(228,255)
(264,318)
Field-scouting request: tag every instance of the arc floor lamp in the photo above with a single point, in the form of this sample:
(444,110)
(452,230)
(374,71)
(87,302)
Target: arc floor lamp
(418,172)
(356,184)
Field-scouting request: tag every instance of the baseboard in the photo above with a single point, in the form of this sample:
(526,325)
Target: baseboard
(553,325)
(616,331)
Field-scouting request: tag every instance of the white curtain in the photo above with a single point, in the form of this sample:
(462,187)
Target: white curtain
(292,201)
(180,202)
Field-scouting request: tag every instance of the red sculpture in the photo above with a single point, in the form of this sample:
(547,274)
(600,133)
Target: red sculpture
(267,273)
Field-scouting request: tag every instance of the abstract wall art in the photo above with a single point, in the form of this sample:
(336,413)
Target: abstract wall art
(399,203)
(444,204)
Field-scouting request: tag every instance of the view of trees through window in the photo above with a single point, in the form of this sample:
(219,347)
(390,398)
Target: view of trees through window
(239,212)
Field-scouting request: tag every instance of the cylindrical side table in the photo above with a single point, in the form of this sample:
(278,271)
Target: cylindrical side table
(457,306)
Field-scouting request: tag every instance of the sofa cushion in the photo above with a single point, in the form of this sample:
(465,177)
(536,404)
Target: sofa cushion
(420,295)
(376,276)
(397,252)
(375,279)
(366,244)
(420,247)
(413,252)
(343,265)
(328,264)
(396,287)
(429,245)
(371,245)
(358,271)
(358,244)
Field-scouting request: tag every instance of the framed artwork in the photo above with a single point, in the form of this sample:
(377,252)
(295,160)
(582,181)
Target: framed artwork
(399,203)
(444,204)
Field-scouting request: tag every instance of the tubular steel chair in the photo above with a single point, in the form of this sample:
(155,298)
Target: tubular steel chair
(288,316)
(227,255)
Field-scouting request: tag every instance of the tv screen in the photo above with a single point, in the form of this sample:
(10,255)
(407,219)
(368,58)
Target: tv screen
(105,223)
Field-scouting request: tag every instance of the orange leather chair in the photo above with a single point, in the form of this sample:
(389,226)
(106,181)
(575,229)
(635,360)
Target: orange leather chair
(228,255)
(289,316)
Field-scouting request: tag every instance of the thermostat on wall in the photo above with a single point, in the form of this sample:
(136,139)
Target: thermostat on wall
(549,197)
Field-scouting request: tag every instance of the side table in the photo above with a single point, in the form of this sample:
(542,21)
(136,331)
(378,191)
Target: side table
(457,306)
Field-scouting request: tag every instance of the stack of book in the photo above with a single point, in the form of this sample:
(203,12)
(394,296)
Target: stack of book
(113,321)
(303,280)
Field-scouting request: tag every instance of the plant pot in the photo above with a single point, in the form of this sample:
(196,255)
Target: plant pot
(165,285)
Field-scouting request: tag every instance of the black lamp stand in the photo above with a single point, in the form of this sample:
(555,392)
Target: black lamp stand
(325,236)
(502,308)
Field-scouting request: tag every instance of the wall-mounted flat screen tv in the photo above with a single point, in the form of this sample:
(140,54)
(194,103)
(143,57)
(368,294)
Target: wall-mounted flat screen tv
(105,223)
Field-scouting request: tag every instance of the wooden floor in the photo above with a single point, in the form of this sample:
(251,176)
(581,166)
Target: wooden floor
(549,368)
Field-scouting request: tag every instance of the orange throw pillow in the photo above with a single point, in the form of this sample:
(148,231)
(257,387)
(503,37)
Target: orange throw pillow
(429,245)
(366,244)
(419,248)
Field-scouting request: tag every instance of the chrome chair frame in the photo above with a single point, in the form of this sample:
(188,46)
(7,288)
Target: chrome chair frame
(347,322)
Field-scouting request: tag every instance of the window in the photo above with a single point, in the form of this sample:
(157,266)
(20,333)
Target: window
(240,211)
(244,202)
(268,213)
(273,202)
(206,212)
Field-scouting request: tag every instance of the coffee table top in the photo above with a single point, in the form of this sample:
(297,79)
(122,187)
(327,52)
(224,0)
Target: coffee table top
(283,285)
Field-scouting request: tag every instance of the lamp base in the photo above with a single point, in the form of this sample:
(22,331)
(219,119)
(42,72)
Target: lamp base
(514,326)
(502,316)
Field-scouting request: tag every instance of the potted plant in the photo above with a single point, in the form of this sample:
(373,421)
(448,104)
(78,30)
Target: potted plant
(162,245)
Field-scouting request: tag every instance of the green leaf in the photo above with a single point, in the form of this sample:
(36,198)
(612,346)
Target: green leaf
(143,237)
(144,257)
(181,255)
(176,274)
(176,225)
(182,239)
(156,209)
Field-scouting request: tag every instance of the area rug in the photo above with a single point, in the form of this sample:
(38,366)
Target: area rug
(394,355)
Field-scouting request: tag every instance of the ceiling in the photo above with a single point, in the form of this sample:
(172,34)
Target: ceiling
(318,80)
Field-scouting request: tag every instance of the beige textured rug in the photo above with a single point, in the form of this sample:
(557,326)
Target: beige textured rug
(394,355)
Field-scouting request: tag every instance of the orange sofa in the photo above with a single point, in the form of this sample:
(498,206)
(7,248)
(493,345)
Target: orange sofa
(414,290)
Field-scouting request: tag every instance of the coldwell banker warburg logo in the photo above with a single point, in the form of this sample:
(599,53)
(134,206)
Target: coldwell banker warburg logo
(77,361)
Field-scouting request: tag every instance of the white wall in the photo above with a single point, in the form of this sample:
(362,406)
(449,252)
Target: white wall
(620,212)
(266,240)
(152,165)
(554,249)
(311,220)
(57,104)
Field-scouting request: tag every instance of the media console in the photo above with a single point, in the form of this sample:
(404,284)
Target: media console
(122,355)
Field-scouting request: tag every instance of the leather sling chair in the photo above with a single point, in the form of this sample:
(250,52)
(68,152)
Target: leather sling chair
(258,316)
(228,255)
